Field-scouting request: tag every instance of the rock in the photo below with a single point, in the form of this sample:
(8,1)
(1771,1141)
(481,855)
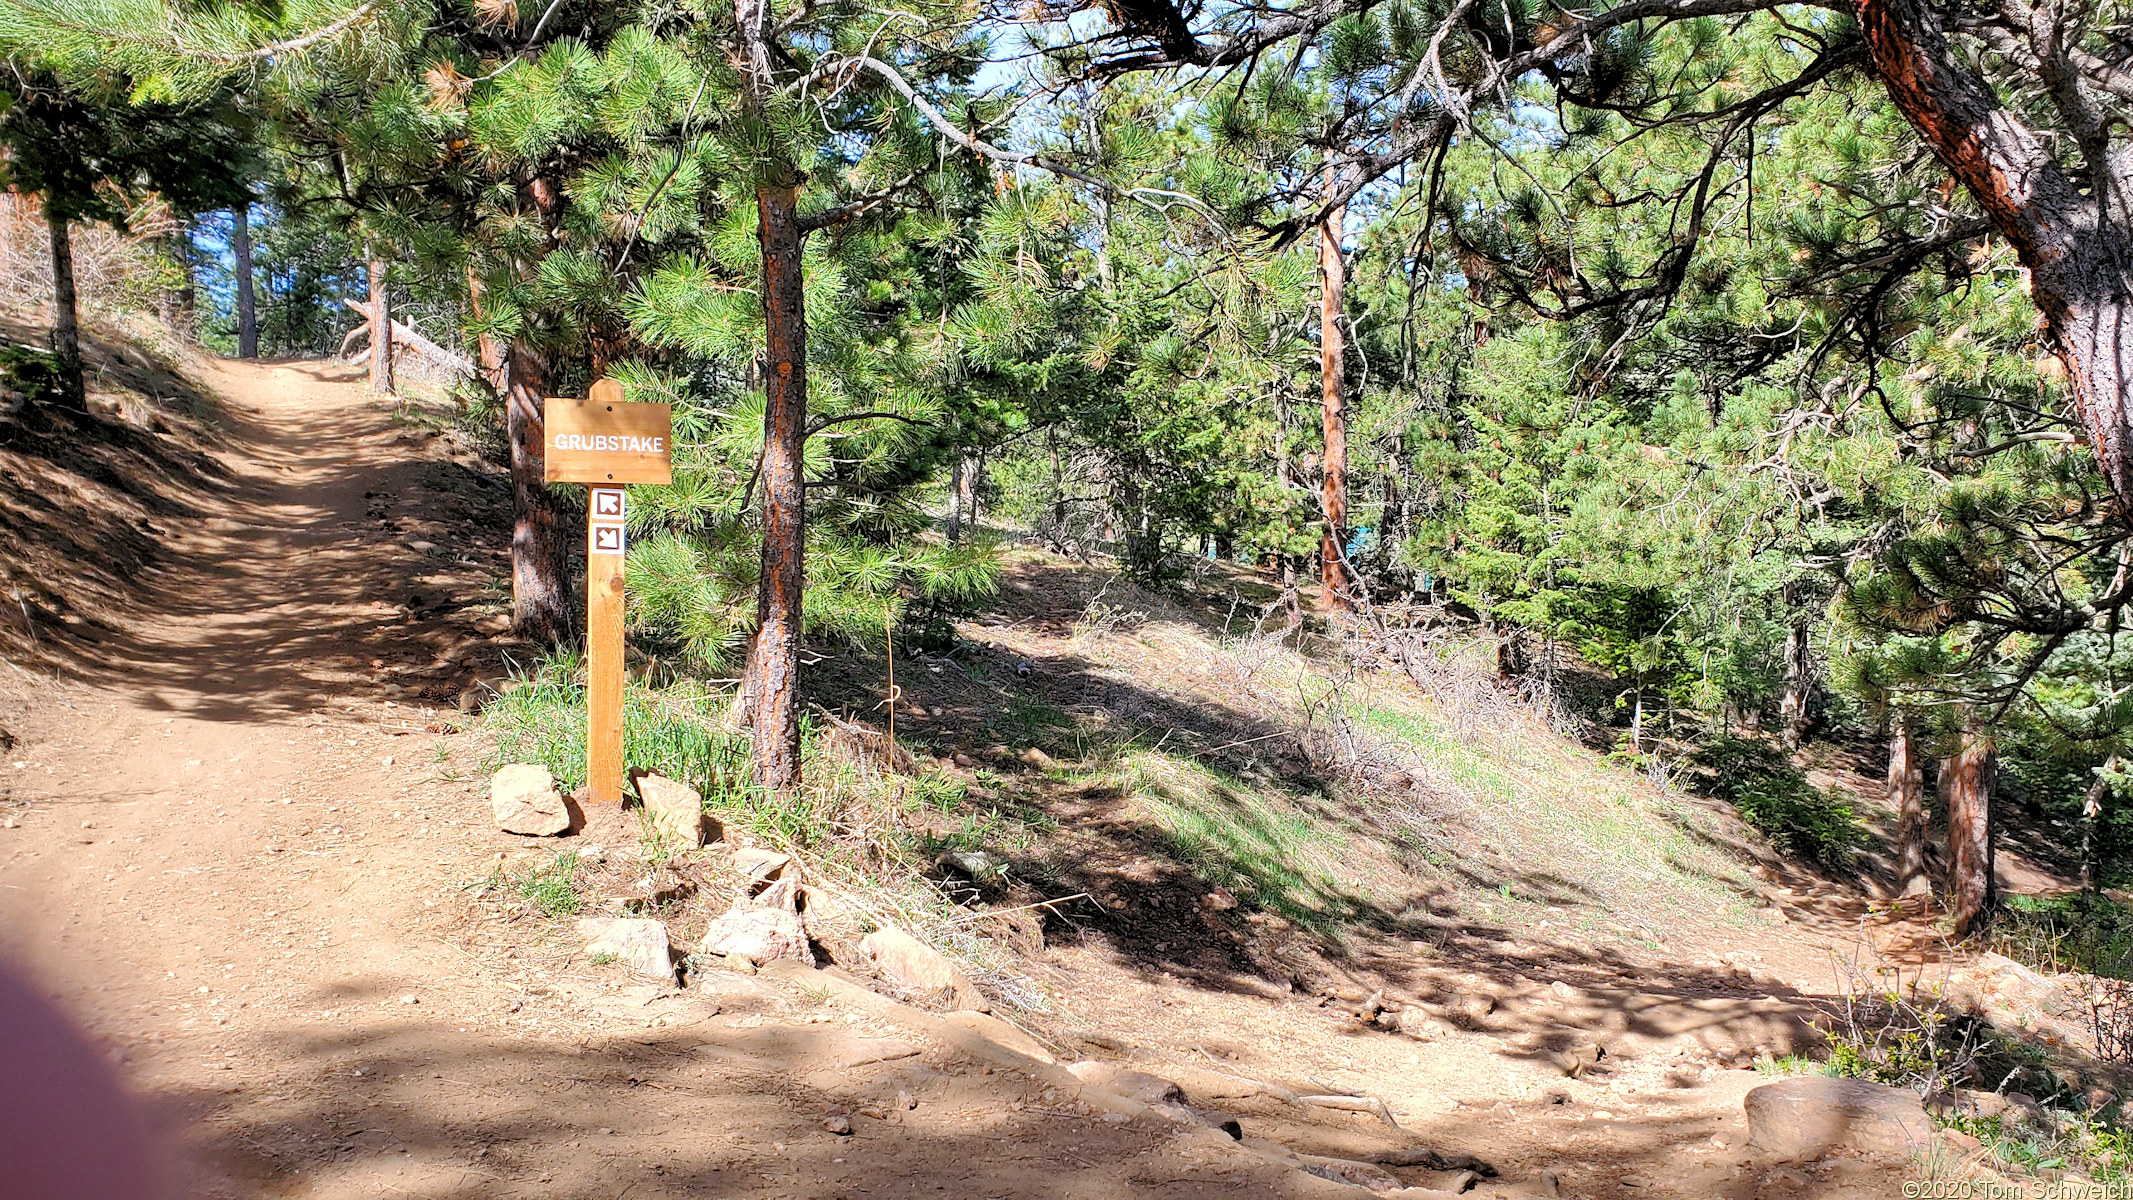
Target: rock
(1475,1009)
(2019,1002)
(1416,1022)
(1001,1033)
(1577,1060)
(976,864)
(1806,1116)
(760,865)
(916,967)
(636,942)
(1387,1020)
(1349,1171)
(841,1126)
(1135,1085)
(527,802)
(2026,1111)
(761,928)
(674,810)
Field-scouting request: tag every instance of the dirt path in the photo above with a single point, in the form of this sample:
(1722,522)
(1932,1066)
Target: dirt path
(244,850)
(242,865)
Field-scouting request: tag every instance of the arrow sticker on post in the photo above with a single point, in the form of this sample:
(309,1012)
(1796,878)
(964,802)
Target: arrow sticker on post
(607,504)
(606,539)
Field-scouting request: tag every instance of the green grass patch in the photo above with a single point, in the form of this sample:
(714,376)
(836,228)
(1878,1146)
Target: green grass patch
(1227,833)
(2084,932)
(551,887)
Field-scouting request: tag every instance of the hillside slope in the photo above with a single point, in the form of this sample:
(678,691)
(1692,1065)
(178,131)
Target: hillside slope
(248,845)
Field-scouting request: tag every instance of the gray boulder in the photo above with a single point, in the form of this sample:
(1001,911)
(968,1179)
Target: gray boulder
(1814,1114)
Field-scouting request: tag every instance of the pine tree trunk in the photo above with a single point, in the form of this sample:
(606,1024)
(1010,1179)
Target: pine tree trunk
(1966,782)
(247,302)
(1799,682)
(381,335)
(1332,299)
(187,299)
(2073,231)
(491,354)
(774,663)
(66,312)
(540,556)
(1907,792)
(973,470)
(955,501)
(2091,813)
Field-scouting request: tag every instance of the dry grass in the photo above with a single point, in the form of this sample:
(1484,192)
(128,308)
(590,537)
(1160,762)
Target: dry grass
(111,269)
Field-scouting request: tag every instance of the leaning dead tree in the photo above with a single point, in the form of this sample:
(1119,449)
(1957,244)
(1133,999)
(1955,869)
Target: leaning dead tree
(404,336)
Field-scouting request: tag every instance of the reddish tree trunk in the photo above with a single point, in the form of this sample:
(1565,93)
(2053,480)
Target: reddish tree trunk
(540,562)
(2078,247)
(492,354)
(1966,783)
(1332,294)
(1907,791)
(381,334)
(774,662)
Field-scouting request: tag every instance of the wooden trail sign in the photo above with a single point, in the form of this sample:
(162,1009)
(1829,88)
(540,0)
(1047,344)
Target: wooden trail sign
(600,439)
(604,442)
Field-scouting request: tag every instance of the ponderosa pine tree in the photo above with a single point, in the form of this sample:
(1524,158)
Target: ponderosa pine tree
(87,153)
(2015,102)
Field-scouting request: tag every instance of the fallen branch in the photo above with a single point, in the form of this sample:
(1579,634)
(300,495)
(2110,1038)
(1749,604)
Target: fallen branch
(1430,1160)
(407,335)
(1362,1104)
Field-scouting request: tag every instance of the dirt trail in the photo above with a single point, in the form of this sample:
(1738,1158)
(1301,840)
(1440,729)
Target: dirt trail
(242,857)
(240,864)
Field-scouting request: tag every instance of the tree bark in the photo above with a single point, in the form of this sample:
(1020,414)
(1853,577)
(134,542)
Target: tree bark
(774,663)
(2091,813)
(973,470)
(540,557)
(381,338)
(955,501)
(1907,791)
(1332,299)
(490,352)
(2078,247)
(247,302)
(66,311)
(1799,685)
(1966,782)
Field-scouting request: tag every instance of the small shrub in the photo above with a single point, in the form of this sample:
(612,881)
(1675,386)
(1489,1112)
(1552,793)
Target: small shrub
(1777,799)
(2082,932)
(551,888)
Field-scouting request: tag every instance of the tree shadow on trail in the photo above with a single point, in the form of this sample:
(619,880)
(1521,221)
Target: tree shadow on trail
(321,553)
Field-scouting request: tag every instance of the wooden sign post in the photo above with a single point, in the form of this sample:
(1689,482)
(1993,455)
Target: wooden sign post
(605,442)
